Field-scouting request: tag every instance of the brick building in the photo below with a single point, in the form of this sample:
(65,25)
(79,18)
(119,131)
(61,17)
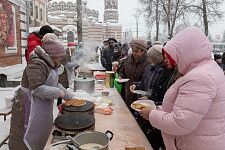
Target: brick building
(12,31)
(62,14)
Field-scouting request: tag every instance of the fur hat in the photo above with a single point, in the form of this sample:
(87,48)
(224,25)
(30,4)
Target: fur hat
(112,39)
(140,44)
(155,52)
(52,46)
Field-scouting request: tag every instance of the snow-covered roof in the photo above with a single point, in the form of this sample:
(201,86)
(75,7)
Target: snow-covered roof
(54,17)
(66,1)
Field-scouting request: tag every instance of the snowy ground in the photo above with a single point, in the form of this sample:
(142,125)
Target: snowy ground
(8,92)
(4,93)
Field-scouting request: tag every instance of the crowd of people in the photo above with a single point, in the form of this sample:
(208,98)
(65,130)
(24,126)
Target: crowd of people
(180,76)
(185,83)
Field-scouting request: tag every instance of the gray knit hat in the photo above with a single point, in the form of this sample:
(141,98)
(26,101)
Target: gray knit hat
(155,53)
(142,44)
(52,46)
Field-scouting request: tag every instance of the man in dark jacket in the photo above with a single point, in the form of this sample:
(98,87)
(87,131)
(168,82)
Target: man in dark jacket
(108,54)
(133,68)
(34,39)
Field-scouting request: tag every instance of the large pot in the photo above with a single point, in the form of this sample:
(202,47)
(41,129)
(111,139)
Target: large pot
(86,138)
(94,137)
(84,83)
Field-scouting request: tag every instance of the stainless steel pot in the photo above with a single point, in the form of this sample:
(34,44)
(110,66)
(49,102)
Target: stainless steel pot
(94,137)
(85,138)
(86,84)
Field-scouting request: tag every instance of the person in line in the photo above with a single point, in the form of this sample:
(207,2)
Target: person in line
(218,59)
(34,39)
(107,56)
(133,68)
(192,114)
(32,111)
(155,81)
(157,78)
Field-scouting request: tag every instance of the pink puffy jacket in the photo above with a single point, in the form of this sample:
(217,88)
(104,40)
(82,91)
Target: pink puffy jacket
(193,110)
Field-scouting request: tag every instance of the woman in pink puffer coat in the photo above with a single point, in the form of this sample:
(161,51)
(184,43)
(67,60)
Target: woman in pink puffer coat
(193,110)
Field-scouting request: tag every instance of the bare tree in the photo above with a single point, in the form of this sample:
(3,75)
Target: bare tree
(223,38)
(175,11)
(151,10)
(208,11)
(165,11)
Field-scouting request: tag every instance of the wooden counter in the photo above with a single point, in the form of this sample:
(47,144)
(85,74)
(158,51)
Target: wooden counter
(125,128)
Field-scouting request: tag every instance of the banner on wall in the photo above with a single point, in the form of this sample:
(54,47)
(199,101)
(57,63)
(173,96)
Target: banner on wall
(7,33)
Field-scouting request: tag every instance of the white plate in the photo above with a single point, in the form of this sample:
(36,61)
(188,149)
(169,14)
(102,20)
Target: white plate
(139,92)
(122,80)
(146,103)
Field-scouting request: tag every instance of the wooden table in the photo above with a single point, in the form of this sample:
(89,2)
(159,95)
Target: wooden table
(5,112)
(125,128)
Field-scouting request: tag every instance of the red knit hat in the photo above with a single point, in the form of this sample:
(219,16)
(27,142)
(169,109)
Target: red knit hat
(172,62)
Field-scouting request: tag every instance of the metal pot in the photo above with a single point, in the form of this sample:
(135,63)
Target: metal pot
(94,137)
(86,84)
(85,138)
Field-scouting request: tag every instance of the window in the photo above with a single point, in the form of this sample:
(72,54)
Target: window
(54,6)
(69,6)
(62,6)
(41,14)
(36,11)
(31,9)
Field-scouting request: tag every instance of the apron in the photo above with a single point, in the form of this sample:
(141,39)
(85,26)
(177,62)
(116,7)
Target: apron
(40,123)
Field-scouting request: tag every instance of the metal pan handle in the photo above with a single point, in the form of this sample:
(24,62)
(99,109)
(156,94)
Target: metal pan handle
(109,134)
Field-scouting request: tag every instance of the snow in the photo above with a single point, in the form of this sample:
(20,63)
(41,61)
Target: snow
(13,72)
(9,92)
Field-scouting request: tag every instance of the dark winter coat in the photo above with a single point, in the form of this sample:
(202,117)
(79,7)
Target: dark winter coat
(133,71)
(33,40)
(34,77)
(156,80)
(108,56)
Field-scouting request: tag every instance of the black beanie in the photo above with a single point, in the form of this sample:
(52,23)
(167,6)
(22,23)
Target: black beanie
(45,29)
(217,56)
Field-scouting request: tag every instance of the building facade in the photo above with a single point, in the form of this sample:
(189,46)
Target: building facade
(12,31)
(62,14)
(111,11)
(16,16)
